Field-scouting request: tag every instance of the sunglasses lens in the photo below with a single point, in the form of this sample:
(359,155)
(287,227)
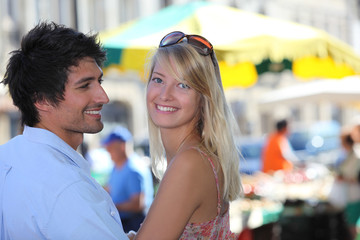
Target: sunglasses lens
(171,38)
(201,43)
(203,46)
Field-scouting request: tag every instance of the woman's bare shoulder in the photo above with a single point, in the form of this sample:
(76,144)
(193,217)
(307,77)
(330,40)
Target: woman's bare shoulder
(190,157)
(193,164)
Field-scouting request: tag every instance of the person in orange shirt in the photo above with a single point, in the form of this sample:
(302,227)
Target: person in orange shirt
(277,152)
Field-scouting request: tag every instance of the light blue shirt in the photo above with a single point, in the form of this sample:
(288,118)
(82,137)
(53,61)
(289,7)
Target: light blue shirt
(47,192)
(132,178)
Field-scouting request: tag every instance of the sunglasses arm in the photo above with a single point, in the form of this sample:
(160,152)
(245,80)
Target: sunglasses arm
(217,69)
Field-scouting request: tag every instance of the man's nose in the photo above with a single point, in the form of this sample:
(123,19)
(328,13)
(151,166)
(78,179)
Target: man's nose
(102,97)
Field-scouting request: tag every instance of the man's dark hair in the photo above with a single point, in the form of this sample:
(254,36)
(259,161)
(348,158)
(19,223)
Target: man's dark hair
(280,125)
(348,139)
(39,69)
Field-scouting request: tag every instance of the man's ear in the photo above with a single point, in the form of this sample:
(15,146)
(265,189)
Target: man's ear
(43,105)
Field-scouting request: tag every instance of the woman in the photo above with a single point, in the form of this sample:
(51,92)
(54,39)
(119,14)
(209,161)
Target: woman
(191,127)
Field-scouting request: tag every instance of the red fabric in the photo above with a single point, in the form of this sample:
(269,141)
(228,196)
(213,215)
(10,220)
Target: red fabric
(246,234)
(273,159)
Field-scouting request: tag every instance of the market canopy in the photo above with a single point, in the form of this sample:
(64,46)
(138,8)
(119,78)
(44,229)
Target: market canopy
(345,92)
(244,43)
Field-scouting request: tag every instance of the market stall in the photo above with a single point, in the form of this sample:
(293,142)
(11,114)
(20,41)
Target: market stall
(293,205)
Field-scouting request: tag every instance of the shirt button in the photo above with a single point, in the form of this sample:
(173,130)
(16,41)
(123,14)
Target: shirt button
(113,213)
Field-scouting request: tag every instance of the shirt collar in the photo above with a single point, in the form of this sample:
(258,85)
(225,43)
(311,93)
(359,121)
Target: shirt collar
(44,136)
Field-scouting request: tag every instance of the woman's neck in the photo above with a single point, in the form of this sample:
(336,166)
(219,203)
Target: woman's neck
(175,142)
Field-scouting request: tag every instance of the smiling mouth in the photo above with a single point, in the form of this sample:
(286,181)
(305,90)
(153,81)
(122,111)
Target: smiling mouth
(165,109)
(93,112)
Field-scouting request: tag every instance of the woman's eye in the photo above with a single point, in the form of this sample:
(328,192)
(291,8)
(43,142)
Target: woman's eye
(183,85)
(157,80)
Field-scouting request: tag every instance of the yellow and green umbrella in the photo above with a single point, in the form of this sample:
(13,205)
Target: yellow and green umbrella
(245,43)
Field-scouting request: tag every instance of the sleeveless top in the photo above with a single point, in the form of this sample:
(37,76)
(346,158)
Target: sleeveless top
(217,228)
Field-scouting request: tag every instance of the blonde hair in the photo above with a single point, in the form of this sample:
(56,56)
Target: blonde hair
(216,125)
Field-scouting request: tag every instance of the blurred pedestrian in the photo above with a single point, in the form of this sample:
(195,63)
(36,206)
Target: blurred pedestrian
(348,174)
(350,171)
(46,190)
(130,184)
(191,128)
(277,152)
(350,166)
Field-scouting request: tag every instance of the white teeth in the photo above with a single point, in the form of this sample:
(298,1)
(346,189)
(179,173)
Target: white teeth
(92,112)
(166,109)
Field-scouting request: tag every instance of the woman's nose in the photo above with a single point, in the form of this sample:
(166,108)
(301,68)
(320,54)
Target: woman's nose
(166,93)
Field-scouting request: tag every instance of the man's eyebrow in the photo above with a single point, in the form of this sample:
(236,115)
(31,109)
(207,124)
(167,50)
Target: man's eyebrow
(87,79)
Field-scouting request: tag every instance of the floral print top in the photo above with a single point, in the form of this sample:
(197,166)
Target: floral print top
(217,228)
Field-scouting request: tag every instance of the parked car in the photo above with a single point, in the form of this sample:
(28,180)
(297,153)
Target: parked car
(251,151)
(318,143)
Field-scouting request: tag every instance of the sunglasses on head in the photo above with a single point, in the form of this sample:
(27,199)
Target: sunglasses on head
(201,44)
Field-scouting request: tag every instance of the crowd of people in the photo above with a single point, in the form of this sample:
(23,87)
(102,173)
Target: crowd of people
(278,155)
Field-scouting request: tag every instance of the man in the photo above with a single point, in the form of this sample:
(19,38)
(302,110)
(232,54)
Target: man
(46,191)
(130,184)
(351,177)
(277,152)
